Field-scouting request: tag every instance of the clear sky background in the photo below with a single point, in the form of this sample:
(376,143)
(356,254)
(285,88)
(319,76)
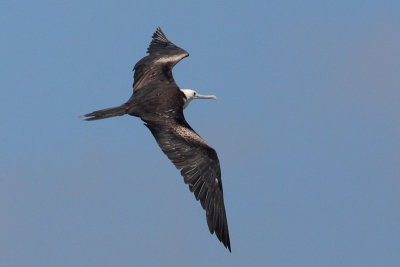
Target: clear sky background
(306,126)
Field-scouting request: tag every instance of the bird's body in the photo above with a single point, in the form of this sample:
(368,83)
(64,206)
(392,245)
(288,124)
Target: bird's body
(159,102)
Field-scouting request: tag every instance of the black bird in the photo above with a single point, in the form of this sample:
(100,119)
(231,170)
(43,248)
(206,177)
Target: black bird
(159,102)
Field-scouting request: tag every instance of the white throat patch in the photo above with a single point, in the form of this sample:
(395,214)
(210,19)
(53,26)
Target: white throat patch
(189,93)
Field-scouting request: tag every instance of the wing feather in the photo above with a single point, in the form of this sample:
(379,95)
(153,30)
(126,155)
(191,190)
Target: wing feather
(159,42)
(200,169)
(157,66)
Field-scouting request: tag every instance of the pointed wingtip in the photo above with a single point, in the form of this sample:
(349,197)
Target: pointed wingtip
(158,31)
(227,244)
(159,41)
(159,35)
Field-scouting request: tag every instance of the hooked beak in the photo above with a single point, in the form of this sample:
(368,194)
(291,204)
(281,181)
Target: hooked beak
(198,96)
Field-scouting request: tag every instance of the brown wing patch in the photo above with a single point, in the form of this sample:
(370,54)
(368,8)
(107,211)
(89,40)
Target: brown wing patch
(142,80)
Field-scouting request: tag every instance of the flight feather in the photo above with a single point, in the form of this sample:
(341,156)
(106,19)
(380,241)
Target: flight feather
(199,165)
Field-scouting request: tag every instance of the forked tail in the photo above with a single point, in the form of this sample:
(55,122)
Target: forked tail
(105,113)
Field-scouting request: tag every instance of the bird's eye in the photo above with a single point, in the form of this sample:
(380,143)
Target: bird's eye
(194,93)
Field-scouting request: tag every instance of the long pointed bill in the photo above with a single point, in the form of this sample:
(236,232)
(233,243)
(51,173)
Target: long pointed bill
(198,96)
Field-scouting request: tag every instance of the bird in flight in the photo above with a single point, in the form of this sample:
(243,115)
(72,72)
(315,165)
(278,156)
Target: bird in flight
(159,102)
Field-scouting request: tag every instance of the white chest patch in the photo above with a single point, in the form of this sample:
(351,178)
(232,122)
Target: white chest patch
(187,101)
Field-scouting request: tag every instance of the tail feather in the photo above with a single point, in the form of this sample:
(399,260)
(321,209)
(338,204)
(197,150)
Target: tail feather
(105,113)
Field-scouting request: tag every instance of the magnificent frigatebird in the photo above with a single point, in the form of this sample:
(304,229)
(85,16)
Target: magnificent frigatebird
(159,102)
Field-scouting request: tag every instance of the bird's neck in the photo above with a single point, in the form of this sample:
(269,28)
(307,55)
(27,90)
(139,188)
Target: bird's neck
(187,101)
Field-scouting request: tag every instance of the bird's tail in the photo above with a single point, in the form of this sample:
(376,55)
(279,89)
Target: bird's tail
(105,113)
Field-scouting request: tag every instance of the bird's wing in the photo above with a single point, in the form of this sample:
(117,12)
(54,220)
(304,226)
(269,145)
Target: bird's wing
(159,43)
(200,168)
(163,56)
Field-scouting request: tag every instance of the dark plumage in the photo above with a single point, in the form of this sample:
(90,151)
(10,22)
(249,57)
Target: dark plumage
(159,102)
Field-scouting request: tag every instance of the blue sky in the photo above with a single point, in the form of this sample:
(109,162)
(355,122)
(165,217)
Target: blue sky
(306,127)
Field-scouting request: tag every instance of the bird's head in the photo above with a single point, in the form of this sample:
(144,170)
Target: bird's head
(192,94)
